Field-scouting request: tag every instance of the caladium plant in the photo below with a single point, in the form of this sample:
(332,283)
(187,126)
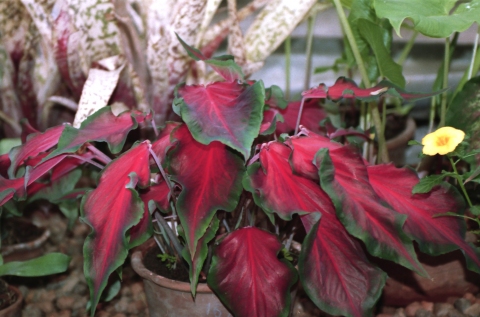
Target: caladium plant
(229,179)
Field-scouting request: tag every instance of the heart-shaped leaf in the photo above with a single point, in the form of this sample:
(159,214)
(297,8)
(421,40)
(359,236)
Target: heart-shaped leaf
(102,126)
(334,270)
(210,177)
(36,144)
(248,277)
(228,112)
(434,235)
(111,210)
(343,175)
(433,18)
(278,190)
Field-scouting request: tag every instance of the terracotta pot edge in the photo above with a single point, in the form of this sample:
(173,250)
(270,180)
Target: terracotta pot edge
(15,306)
(140,269)
(34,244)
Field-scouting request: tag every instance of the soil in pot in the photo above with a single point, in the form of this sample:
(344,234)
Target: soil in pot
(167,297)
(154,264)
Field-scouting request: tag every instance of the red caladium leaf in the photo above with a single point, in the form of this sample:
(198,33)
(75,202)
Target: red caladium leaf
(225,65)
(278,190)
(228,112)
(248,277)
(343,175)
(304,150)
(211,179)
(4,164)
(312,114)
(159,194)
(8,188)
(347,88)
(163,142)
(196,263)
(36,143)
(102,126)
(271,117)
(434,235)
(111,210)
(334,270)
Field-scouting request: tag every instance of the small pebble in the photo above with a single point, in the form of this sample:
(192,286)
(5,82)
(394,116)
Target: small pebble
(427,305)
(473,311)
(65,302)
(470,297)
(461,304)
(400,312)
(423,313)
(31,310)
(412,308)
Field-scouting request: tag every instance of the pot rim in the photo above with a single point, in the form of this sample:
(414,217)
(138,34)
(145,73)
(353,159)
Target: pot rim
(140,269)
(26,246)
(15,306)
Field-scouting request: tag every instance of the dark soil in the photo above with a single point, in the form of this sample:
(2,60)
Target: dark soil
(394,126)
(154,264)
(18,230)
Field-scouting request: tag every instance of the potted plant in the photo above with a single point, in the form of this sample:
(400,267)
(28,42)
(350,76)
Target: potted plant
(220,166)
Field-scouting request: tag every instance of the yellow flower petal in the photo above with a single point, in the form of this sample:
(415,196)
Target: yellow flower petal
(442,141)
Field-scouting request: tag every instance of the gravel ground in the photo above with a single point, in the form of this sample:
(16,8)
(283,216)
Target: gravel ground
(66,295)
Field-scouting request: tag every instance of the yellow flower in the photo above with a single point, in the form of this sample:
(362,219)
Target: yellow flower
(442,141)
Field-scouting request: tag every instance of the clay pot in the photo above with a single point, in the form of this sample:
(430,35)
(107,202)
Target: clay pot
(14,310)
(26,250)
(449,278)
(398,145)
(166,297)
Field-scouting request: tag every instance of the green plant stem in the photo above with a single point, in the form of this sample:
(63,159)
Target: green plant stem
(472,69)
(446,62)
(460,182)
(406,50)
(288,59)
(308,49)
(433,104)
(377,121)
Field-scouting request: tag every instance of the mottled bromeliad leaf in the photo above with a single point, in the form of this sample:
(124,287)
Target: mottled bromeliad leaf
(334,270)
(228,112)
(210,177)
(248,277)
(434,235)
(433,18)
(464,112)
(111,210)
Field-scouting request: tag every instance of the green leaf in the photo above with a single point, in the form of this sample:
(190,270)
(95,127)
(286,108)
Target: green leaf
(462,113)
(7,144)
(373,33)
(475,210)
(47,264)
(58,188)
(427,183)
(430,17)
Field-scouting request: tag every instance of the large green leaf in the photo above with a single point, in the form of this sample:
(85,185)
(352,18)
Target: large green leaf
(463,111)
(430,17)
(47,264)
(373,34)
